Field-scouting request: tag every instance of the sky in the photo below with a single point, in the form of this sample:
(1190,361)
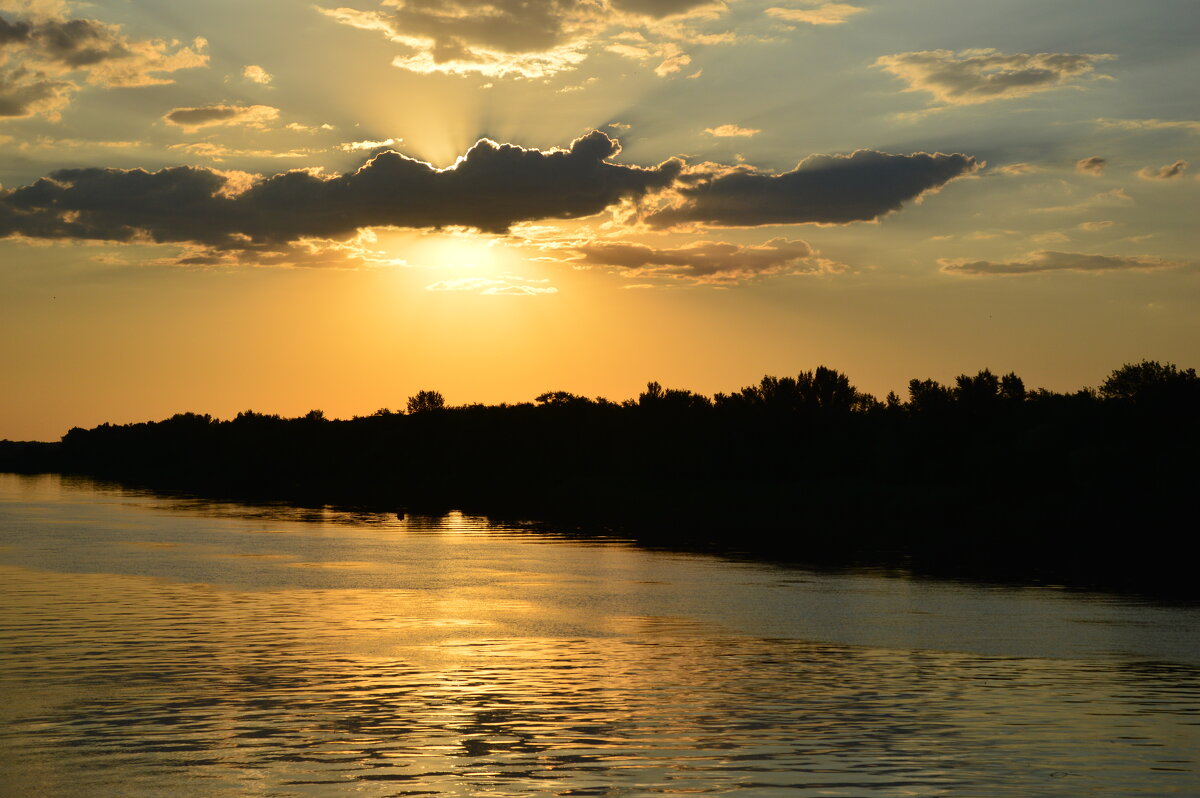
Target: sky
(217,206)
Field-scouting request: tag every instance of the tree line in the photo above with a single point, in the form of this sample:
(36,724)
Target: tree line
(983,468)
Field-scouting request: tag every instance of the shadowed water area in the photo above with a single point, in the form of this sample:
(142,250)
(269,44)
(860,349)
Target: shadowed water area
(153,646)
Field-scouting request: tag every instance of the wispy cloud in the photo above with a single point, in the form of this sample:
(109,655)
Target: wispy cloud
(1051,261)
(817,13)
(1187,125)
(1092,165)
(979,76)
(507,285)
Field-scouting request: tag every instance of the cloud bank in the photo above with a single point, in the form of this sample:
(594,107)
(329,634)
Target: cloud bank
(491,188)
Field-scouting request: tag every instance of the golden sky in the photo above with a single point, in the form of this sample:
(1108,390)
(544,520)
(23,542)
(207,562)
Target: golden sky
(281,206)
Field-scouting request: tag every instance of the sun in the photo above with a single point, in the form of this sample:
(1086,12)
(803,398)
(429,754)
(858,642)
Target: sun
(458,252)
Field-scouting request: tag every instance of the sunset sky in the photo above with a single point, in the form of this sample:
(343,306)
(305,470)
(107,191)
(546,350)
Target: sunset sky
(216,206)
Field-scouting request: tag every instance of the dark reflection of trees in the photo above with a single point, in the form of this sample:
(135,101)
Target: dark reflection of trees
(984,474)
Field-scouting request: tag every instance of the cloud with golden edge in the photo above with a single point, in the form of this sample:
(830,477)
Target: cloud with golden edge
(43,52)
(1051,261)
(969,77)
(490,188)
(535,38)
(1092,165)
(353,146)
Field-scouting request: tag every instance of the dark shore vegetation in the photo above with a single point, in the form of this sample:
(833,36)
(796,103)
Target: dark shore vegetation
(980,478)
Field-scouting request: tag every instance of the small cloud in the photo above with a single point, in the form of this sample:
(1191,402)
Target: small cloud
(256,74)
(817,14)
(1092,165)
(619,126)
(1167,172)
(1093,227)
(299,128)
(672,64)
(729,131)
(1049,261)
(351,146)
(215,115)
(695,74)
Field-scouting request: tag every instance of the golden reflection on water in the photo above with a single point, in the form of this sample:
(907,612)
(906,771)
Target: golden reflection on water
(121,684)
(152,647)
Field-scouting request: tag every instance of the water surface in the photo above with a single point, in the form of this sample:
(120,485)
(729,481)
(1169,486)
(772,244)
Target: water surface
(151,646)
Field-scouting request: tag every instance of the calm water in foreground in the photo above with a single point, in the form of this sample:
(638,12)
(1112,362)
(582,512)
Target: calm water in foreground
(155,647)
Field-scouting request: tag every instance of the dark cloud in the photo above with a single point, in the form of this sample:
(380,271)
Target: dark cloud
(1050,261)
(78,43)
(212,115)
(17,32)
(977,76)
(705,261)
(491,188)
(1093,165)
(822,189)
(1168,172)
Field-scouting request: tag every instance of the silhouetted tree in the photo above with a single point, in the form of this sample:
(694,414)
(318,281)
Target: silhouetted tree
(978,392)
(1012,388)
(928,396)
(561,398)
(426,402)
(1151,381)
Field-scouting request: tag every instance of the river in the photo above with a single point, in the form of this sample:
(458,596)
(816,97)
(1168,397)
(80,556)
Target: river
(161,646)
